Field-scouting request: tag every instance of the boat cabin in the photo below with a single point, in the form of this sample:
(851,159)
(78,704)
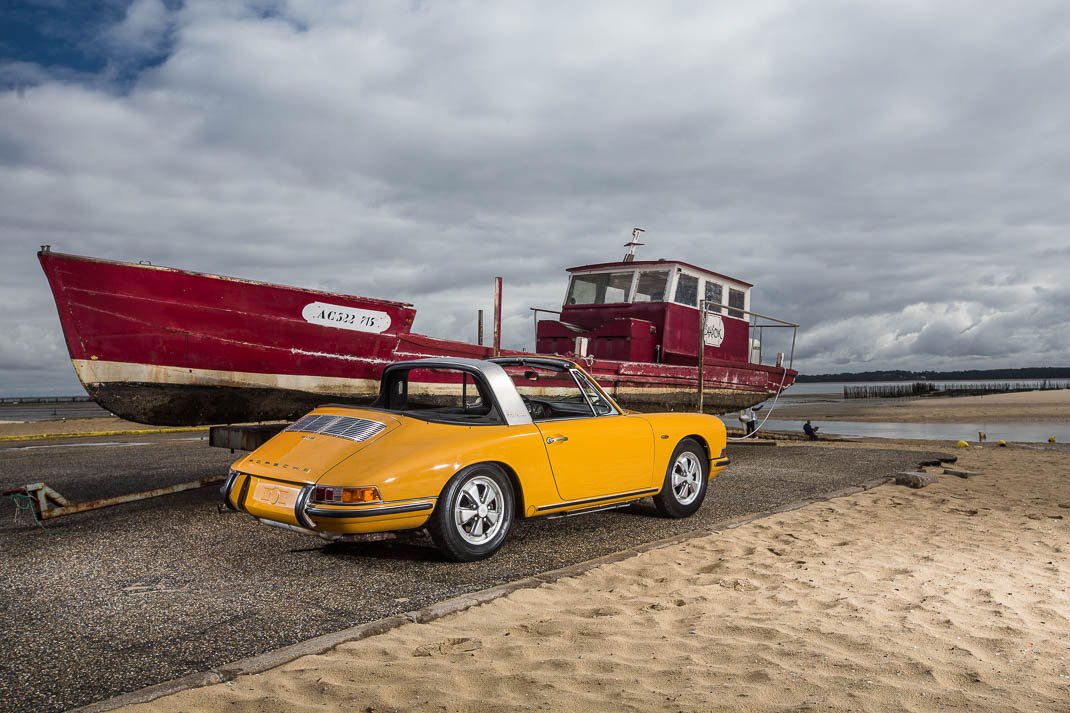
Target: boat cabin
(648,311)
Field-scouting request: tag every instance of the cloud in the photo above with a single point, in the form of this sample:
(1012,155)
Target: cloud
(142,32)
(887,174)
(34,361)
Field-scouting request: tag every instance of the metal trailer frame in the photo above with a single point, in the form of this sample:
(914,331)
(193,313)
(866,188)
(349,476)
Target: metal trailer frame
(45,503)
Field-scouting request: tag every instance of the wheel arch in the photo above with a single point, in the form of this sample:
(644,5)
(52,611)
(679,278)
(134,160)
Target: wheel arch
(682,492)
(701,440)
(514,480)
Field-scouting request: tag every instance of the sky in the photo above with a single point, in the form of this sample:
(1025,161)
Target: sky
(893,176)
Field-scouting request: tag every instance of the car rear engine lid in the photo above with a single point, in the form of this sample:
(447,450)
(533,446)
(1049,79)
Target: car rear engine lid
(348,427)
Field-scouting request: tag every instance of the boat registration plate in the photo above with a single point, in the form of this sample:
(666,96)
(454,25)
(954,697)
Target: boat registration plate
(282,496)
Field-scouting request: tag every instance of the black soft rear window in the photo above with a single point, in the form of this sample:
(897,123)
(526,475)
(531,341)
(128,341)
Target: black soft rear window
(439,394)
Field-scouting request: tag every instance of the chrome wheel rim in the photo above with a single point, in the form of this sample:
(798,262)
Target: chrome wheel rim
(478,510)
(686,478)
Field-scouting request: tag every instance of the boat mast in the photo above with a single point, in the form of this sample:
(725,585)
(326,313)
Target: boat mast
(633,244)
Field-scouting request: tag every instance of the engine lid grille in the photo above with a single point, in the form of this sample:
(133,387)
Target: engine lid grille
(353,429)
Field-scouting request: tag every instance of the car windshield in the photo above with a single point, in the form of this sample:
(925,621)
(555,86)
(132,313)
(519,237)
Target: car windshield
(438,394)
(556,393)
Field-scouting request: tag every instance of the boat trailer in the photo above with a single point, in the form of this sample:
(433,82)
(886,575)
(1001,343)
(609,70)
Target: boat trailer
(45,503)
(243,438)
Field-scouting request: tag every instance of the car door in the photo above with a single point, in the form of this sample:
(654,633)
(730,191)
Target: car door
(599,455)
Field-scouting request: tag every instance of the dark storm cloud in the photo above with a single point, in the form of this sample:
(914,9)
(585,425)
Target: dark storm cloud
(891,175)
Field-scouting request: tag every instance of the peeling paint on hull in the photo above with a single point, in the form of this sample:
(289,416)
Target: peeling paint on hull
(175,396)
(197,405)
(253,397)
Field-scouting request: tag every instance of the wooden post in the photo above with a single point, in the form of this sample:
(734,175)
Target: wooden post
(497,316)
(479,328)
(701,352)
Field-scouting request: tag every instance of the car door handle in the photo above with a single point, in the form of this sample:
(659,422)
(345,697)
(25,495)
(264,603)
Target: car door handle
(556,439)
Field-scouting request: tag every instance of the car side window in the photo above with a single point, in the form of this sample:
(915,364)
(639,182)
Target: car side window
(598,402)
(550,394)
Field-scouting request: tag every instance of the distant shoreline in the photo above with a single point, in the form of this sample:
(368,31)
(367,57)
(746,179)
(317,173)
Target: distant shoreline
(12,400)
(1026,373)
(1039,406)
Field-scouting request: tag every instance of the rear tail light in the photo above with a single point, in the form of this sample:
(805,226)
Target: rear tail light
(338,495)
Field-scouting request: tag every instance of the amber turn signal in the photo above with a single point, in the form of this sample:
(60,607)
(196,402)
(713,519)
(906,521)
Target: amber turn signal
(337,495)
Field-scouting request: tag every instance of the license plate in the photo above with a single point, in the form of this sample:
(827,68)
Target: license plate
(276,495)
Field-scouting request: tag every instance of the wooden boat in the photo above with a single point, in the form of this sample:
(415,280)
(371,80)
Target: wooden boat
(165,346)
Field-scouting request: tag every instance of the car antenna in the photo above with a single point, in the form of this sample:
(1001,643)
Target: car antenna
(633,244)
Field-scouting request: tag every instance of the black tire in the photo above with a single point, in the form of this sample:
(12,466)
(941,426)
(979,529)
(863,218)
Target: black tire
(485,491)
(686,479)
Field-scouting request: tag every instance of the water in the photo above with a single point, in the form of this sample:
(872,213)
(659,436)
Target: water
(835,388)
(1021,432)
(50,411)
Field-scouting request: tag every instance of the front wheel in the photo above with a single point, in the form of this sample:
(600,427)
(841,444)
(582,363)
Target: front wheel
(685,483)
(474,514)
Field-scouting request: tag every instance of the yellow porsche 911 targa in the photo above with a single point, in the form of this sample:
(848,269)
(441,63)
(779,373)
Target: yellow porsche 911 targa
(463,447)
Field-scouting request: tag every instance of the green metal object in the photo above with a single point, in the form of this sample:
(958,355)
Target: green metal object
(25,503)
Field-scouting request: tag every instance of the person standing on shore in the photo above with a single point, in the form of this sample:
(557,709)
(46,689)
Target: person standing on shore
(810,430)
(746,419)
(749,419)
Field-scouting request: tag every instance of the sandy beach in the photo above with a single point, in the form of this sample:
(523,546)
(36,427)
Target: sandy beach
(953,597)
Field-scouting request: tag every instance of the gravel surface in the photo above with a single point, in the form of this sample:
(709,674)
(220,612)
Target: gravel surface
(102,603)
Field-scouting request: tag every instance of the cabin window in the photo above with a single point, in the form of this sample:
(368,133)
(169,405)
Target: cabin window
(714,296)
(604,288)
(651,286)
(736,302)
(617,287)
(687,290)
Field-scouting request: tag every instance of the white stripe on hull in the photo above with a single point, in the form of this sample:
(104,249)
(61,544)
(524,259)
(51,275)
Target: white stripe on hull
(118,372)
(103,373)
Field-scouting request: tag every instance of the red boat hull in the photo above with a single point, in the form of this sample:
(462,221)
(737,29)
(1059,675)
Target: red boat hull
(170,347)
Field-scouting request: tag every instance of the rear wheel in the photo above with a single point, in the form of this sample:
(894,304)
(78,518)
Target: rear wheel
(474,513)
(685,483)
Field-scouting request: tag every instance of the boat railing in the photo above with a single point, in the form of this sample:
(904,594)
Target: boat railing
(535,311)
(758,324)
(535,318)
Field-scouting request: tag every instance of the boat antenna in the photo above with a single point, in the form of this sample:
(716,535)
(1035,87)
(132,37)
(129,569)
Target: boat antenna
(633,244)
